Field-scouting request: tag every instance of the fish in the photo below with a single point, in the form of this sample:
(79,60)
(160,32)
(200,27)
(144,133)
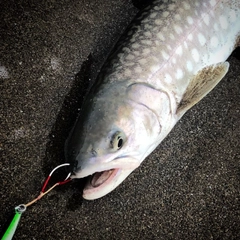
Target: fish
(171,56)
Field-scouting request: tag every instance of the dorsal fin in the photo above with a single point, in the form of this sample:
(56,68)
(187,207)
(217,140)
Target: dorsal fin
(205,80)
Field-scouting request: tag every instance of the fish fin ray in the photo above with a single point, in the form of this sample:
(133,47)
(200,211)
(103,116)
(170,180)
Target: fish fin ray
(237,42)
(203,82)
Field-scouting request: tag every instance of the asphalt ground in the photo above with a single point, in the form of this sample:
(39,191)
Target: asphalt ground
(189,188)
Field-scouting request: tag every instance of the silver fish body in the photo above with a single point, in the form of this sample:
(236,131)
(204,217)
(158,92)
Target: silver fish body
(173,54)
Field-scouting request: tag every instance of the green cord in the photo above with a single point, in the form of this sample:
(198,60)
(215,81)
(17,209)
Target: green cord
(13,225)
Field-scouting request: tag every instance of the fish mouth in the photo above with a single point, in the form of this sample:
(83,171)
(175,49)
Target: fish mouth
(99,178)
(99,182)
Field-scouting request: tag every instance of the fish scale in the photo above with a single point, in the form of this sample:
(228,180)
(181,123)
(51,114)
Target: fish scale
(143,56)
(171,56)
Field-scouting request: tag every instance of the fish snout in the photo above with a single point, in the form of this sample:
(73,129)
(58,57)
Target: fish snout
(74,168)
(81,168)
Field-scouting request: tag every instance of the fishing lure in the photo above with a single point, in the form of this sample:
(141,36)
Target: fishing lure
(8,235)
(14,223)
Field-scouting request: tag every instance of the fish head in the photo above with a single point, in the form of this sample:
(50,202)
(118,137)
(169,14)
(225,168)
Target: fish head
(110,139)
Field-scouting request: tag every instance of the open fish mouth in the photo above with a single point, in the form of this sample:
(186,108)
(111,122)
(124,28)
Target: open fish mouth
(99,182)
(100,178)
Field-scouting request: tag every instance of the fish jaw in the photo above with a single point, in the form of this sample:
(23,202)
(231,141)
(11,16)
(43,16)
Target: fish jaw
(106,177)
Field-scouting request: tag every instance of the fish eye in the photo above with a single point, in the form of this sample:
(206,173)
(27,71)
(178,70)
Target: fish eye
(120,142)
(117,140)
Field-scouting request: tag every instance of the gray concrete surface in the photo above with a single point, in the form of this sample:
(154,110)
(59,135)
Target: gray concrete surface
(189,188)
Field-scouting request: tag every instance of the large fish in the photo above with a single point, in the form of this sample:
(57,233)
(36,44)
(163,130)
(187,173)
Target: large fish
(173,54)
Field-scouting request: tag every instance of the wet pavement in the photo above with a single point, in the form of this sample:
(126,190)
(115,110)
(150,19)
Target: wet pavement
(189,188)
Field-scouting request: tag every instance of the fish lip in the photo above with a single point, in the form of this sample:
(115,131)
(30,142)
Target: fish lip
(79,172)
(76,173)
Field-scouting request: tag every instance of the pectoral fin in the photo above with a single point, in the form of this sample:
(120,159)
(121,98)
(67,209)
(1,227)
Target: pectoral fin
(201,85)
